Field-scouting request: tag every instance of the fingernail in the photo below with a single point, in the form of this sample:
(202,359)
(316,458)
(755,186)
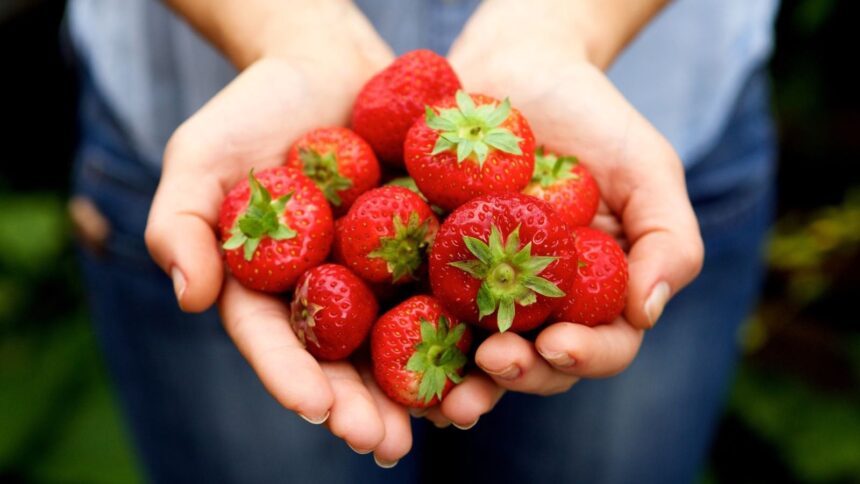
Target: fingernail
(512,372)
(656,301)
(357,451)
(418,412)
(560,359)
(178,282)
(442,425)
(467,427)
(316,421)
(384,464)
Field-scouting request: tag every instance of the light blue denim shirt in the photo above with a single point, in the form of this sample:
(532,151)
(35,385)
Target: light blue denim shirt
(683,72)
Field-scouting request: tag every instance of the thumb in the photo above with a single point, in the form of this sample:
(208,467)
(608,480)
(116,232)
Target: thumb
(179,232)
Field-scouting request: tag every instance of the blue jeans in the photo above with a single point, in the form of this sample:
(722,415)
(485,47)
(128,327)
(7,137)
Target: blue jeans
(197,412)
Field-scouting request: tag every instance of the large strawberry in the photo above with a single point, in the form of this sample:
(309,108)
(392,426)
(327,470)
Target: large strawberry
(567,185)
(469,145)
(503,261)
(418,351)
(386,235)
(339,161)
(391,100)
(274,226)
(599,293)
(332,311)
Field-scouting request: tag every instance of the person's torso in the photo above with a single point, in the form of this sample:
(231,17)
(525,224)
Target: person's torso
(683,72)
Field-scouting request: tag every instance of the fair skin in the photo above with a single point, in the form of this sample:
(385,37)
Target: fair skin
(297,73)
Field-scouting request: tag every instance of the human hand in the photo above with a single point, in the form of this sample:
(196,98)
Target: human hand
(546,65)
(250,124)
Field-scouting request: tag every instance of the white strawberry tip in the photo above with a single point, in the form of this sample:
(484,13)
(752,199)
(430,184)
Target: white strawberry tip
(303,315)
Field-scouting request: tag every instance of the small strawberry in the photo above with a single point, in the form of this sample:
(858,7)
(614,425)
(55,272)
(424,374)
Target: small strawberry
(341,164)
(599,293)
(332,311)
(386,234)
(503,261)
(395,97)
(418,352)
(469,145)
(567,185)
(274,226)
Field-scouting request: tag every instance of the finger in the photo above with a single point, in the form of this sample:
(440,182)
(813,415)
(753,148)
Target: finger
(257,324)
(395,418)
(434,415)
(354,415)
(666,249)
(180,232)
(513,364)
(588,352)
(476,395)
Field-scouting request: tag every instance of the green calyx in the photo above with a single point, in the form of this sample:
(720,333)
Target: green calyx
(303,315)
(322,169)
(437,358)
(509,274)
(409,183)
(404,252)
(472,131)
(261,219)
(550,168)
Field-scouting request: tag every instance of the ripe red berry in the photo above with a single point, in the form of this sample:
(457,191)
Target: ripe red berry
(274,226)
(469,145)
(418,351)
(599,293)
(567,185)
(502,261)
(332,311)
(341,164)
(391,100)
(386,235)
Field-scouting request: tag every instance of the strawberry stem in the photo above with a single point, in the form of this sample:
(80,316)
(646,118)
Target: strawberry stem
(437,358)
(322,169)
(473,131)
(509,274)
(261,219)
(550,168)
(404,252)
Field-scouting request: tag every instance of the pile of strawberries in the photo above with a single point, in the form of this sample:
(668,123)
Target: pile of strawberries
(487,230)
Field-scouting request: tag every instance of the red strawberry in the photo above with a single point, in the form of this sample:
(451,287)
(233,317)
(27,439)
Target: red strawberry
(386,234)
(469,145)
(332,311)
(503,261)
(274,226)
(339,161)
(567,185)
(394,98)
(418,351)
(599,292)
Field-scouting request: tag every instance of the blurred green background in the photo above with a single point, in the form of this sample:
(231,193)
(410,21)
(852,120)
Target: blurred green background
(793,414)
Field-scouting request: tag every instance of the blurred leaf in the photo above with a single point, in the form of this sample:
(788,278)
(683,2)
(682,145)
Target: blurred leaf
(11,298)
(33,232)
(811,15)
(818,434)
(56,414)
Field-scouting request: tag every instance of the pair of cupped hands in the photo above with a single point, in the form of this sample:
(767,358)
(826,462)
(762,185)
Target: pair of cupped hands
(573,109)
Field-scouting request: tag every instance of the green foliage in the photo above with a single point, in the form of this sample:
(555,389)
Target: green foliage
(818,434)
(58,421)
